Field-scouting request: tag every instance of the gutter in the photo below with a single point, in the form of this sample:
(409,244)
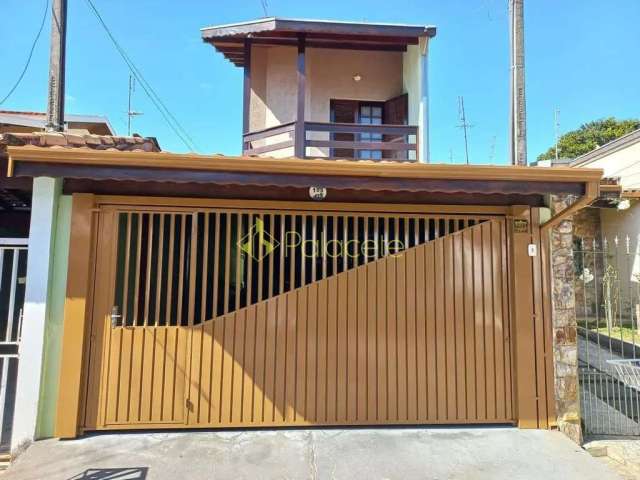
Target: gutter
(324,167)
(592,192)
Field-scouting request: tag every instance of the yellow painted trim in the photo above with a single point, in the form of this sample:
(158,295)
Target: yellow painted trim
(178,161)
(76,315)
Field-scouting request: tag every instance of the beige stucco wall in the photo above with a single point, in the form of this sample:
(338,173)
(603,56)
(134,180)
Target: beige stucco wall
(329,76)
(621,223)
(624,163)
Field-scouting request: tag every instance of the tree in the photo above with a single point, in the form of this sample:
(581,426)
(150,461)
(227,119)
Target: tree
(590,136)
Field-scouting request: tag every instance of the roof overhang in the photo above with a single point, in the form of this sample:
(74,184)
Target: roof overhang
(151,173)
(39,120)
(229,39)
(613,146)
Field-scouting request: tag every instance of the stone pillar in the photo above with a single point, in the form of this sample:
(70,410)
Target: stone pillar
(565,346)
(44,206)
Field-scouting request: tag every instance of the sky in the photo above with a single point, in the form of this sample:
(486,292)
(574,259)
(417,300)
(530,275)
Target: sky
(581,58)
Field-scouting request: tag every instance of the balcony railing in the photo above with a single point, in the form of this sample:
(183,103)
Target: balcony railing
(269,140)
(375,142)
(338,140)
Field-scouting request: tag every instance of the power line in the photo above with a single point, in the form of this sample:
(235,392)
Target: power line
(265,6)
(169,118)
(33,47)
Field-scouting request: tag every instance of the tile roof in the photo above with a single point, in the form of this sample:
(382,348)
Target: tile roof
(39,119)
(80,140)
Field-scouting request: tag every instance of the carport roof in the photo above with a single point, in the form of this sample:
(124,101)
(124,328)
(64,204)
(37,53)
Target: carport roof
(172,174)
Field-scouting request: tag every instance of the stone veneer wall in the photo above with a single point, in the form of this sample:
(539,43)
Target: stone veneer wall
(565,347)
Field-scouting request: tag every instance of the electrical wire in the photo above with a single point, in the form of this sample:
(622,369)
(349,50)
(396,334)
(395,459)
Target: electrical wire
(33,47)
(169,118)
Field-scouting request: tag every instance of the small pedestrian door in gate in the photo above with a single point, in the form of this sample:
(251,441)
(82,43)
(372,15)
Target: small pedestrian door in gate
(231,317)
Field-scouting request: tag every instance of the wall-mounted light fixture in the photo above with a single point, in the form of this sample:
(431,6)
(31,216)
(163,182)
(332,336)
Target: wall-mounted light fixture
(357,77)
(624,204)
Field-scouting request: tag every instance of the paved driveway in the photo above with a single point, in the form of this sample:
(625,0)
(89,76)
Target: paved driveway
(392,453)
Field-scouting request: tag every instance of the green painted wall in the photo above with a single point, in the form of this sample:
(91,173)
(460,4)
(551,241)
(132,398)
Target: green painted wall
(54,321)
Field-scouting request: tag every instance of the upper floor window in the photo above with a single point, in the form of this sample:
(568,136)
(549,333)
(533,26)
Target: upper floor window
(364,113)
(370,114)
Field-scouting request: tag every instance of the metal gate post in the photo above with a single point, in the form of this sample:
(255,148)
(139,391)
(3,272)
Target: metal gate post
(522,308)
(76,314)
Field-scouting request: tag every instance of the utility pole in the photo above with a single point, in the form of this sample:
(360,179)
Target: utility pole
(464,125)
(55,103)
(556,124)
(131,113)
(518,113)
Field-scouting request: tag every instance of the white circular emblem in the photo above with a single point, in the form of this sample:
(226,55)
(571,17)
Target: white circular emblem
(317,193)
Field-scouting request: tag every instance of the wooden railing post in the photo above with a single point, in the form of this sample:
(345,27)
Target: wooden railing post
(299,134)
(246,92)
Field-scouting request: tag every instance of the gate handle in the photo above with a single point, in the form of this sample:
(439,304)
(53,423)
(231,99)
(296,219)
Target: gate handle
(114,316)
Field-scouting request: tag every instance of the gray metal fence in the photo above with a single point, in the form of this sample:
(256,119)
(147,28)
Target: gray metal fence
(13,270)
(607,282)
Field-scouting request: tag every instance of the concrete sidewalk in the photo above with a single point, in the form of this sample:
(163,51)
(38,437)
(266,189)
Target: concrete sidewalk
(391,453)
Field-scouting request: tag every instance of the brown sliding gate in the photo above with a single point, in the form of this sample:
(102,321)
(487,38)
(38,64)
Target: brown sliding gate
(232,317)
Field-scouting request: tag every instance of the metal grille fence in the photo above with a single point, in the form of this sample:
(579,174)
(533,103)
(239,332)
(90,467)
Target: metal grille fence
(243,257)
(607,276)
(13,267)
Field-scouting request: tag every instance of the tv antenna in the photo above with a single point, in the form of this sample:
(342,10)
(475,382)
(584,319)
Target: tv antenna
(131,113)
(465,126)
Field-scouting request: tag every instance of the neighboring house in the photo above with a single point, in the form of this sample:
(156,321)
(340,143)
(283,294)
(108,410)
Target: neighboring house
(15,219)
(28,122)
(620,160)
(606,267)
(15,202)
(272,289)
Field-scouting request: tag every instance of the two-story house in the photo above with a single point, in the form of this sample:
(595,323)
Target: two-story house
(286,286)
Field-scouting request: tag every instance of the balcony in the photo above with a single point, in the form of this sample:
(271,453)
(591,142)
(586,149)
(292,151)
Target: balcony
(335,141)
